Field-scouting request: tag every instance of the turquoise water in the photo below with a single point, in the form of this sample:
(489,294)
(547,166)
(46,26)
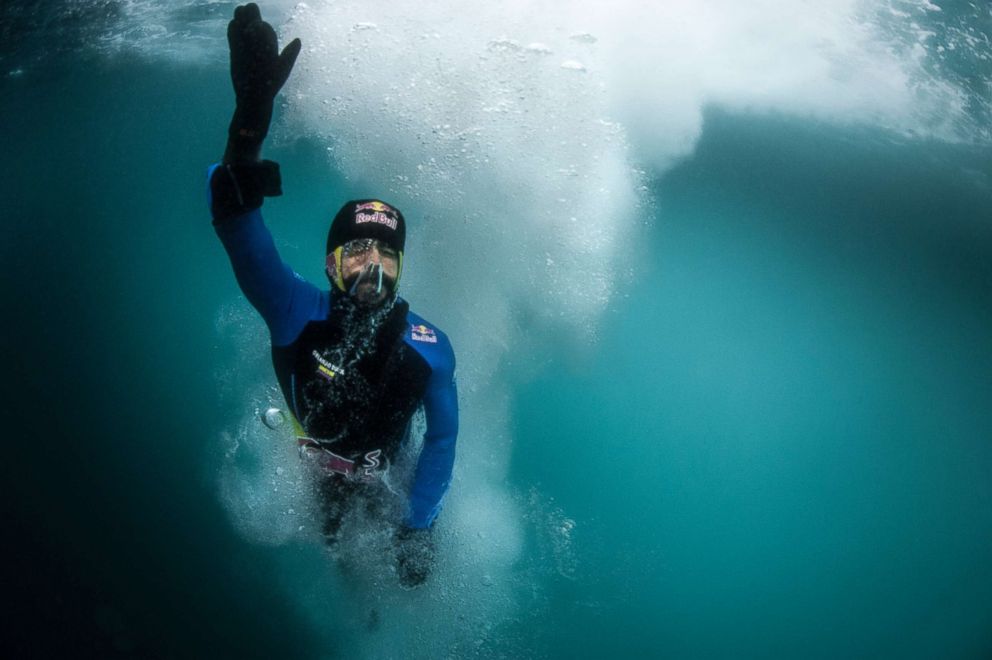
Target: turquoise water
(738,407)
(780,446)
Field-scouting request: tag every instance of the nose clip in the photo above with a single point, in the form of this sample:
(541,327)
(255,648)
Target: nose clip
(371,272)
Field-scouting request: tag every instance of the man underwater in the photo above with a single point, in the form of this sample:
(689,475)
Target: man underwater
(354,363)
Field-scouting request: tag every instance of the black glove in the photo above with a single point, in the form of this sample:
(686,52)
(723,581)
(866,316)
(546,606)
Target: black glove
(414,556)
(258,71)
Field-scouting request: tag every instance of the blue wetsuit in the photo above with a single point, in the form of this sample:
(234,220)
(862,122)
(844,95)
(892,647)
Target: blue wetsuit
(352,392)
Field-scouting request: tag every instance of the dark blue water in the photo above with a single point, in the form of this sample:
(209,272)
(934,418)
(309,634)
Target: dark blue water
(776,446)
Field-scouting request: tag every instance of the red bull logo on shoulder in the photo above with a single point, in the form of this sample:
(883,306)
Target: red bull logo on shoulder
(423,333)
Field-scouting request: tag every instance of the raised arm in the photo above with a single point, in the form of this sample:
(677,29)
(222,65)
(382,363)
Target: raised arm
(241,181)
(258,72)
(284,299)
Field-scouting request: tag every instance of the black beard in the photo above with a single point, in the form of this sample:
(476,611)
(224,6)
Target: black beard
(359,318)
(359,325)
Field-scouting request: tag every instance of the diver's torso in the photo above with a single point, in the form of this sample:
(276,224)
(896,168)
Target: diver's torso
(351,380)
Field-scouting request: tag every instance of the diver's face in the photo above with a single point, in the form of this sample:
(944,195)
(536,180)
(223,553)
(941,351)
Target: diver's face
(369,269)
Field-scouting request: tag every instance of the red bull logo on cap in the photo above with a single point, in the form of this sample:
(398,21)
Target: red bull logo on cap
(377,212)
(375,206)
(378,218)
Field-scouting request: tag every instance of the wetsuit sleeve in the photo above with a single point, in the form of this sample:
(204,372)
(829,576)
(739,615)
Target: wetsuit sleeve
(284,299)
(433,474)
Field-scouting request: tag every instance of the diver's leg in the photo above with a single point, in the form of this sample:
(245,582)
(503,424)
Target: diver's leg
(335,497)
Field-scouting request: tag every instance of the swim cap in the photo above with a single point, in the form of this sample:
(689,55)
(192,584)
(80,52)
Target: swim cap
(367,218)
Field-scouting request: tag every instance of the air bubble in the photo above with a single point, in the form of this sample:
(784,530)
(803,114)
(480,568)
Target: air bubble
(273,418)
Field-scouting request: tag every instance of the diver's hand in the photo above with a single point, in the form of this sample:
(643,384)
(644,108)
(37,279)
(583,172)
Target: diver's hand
(414,556)
(258,71)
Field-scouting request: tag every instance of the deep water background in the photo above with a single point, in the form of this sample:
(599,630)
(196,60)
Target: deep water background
(779,446)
